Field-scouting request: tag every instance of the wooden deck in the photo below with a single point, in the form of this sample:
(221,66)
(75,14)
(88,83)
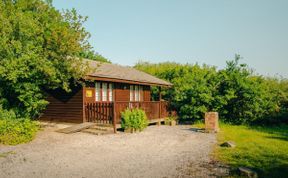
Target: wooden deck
(110,112)
(105,112)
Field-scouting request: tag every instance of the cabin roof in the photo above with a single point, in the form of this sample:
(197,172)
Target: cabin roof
(118,73)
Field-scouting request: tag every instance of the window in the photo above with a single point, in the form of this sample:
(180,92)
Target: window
(97,91)
(110,92)
(104,91)
(136,93)
(131,92)
(136,89)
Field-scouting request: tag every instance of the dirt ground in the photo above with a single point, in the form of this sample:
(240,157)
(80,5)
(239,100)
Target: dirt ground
(158,151)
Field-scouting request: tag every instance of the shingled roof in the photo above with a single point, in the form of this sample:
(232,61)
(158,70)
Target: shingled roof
(123,74)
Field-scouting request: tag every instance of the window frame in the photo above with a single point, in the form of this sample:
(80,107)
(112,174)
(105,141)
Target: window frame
(104,92)
(98,91)
(136,93)
(110,92)
(131,93)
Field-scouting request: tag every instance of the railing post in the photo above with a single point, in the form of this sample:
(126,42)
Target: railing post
(84,112)
(83,105)
(160,98)
(114,117)
(160,110)
(114,110)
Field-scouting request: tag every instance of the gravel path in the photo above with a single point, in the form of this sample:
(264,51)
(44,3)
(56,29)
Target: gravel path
(158,151)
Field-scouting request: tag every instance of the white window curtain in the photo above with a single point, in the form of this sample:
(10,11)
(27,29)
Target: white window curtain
(97,91)
(131,92)
(110,92)
(136,92)
(104,91)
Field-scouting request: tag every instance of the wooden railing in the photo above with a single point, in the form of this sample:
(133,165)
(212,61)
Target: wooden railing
(104,112)
(100,112)
(151,108)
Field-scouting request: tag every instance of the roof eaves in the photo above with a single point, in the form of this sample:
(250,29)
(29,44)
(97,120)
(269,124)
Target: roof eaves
(168,84)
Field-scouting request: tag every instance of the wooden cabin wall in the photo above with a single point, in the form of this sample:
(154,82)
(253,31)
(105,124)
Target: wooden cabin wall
(64,107)
(68,107)
(147,93)
(122,92)
(89,86)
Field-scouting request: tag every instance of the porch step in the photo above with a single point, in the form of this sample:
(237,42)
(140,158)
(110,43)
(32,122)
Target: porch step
(76,128)
(102,128)
(97,131)
(104,125)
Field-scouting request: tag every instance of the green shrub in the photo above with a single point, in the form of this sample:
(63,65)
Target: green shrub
(134,119)
(18,131)
(169,119)
(15,130)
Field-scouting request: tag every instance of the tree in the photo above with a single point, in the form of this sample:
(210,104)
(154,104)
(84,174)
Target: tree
(248,98)
(194,87)
(235,92)
(93,56)
(37,49)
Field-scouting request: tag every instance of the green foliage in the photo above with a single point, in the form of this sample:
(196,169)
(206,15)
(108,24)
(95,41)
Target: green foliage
(169,119)
(193,92)
(93,56)
(248,98)
(134,119)
(264,149)
(37,43)
(16,130)
(235,92)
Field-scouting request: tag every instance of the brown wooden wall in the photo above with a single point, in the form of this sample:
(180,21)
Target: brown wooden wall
(122,92)
(147,93)
(66,107)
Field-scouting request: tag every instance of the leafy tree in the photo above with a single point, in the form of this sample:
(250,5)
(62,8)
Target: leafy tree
(93,56)
(195,87)
(37,45)
(247,96)
(235,92)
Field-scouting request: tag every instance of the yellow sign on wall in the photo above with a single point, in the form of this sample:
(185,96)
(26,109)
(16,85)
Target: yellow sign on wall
(89,93)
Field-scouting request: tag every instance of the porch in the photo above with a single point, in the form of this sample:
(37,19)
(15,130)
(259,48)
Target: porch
(109,113)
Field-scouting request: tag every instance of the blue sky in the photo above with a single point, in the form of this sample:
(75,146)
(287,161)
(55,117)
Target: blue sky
(189,31)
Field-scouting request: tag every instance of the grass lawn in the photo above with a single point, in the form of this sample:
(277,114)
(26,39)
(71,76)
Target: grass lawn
(264,149)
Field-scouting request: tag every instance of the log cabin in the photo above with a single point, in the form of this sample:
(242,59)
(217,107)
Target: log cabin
(107,92)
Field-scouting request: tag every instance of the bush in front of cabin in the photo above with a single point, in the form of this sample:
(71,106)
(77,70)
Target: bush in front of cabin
(15,130)
(171,120)
(134,120)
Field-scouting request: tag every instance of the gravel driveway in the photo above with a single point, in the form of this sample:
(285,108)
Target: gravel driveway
(158,151)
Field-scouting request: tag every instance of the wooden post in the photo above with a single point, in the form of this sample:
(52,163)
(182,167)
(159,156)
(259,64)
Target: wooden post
(160,98)
(114,110)
(83,104)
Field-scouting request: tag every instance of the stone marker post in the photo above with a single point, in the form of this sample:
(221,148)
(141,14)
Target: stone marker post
(211,122)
